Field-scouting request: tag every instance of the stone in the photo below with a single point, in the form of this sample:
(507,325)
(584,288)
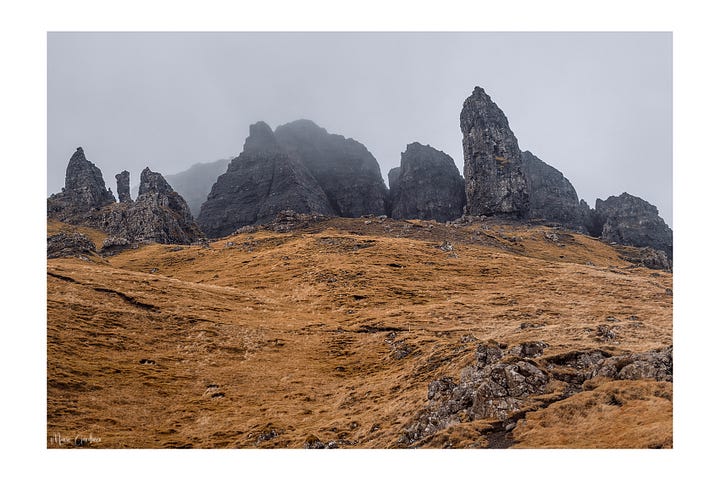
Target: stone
(113,245)
(630,220)
(69,244)
(499,385)
(84,191)
(260,183)
(551,196)
(346,171)
(428,186)
(494,181)
(123,186)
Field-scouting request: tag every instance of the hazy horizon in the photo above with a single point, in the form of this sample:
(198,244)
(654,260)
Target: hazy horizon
(596,106)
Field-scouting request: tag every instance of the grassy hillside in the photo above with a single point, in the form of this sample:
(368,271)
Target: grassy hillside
(333,330)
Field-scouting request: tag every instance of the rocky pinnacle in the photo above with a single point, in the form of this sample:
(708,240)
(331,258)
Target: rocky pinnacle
(494,181)
(123,186)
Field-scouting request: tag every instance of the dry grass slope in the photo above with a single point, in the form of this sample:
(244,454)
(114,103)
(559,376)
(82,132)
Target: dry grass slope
(333,331)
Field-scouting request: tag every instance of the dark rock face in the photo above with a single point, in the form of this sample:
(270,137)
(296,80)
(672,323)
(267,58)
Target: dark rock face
(69,244)
(393,176)
(159,214)
(502,383)
(84,191)
(194,184)
(630,220)
(494,181)
(345,170)
(428,186)
(260,183)
(551,195)
(123,186)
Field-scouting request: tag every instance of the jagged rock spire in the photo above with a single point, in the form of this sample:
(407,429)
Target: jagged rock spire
(494,182)
(123,186)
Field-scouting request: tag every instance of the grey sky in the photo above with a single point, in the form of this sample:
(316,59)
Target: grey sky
(597,106)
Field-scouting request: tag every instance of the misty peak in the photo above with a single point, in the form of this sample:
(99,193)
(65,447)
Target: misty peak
(261,138)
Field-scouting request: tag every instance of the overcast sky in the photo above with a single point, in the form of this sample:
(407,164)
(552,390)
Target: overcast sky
(597,106)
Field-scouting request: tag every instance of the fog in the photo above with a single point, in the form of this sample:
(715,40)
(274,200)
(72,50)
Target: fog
(597,106)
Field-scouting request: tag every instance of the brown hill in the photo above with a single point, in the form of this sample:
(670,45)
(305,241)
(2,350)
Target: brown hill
(328,332)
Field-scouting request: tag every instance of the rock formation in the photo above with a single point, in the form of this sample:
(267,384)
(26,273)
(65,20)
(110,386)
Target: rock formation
(261,182)
(503,382)
(194,184)
(494,182)
(345,170)
(630,220)
(551,195)
(69,244)
(428,186)
(83,193)
(393,175)
(159,214)
(123,186)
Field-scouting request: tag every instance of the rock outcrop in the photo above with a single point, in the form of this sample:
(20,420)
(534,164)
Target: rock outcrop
(503,383)
(84,191)
(346,171)
(69,244)
(195,183)
(428,186)
(551,196)
(123,186)
(260,183)
(494,181)
(630,220)
(393,175)
(159,214)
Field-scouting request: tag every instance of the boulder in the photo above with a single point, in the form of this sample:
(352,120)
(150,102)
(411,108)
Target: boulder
(494,181)
(69,244)
(428,186)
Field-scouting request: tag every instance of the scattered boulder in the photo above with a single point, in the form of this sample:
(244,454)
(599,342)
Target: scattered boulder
(551,196)
(428,186)
(501,384)
(84,192)
(113,245)
(630,220)
(494,180)
(345,170)
(261,182)
(646,257)
(69,244)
